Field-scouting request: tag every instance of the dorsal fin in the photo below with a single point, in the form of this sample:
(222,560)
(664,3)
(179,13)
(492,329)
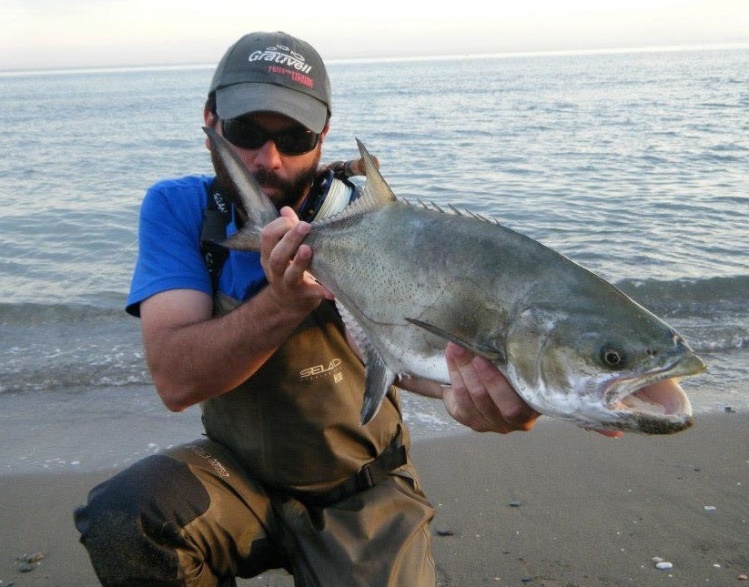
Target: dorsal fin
(376,193)
(376,188)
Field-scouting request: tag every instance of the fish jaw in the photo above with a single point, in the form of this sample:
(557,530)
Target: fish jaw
(657,408)
(655,402)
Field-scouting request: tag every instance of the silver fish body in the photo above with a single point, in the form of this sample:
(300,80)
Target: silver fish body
(410,278)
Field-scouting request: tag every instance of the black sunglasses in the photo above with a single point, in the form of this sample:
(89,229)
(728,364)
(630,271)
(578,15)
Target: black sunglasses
(245,134)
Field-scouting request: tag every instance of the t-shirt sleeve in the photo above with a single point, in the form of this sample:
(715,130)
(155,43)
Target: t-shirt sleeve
(169,242)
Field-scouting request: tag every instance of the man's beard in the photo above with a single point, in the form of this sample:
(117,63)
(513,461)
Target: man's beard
(288,192)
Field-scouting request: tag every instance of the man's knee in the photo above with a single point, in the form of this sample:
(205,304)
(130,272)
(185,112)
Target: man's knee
(132,523)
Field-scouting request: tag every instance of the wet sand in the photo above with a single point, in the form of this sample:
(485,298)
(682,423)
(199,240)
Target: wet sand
(556,507)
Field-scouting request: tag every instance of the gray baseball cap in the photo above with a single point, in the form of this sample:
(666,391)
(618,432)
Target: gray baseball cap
(273,72)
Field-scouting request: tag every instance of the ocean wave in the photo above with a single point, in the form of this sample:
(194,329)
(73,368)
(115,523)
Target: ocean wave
(33,314)
(708,297)
(681,297)
(79,346)
(61,346)
(77,375)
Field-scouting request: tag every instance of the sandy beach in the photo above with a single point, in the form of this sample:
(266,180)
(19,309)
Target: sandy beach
(556,507)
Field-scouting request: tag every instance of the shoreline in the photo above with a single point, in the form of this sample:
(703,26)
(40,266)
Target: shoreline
(555,507)
(57,432)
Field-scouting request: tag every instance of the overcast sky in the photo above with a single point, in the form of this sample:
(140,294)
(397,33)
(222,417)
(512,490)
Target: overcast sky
(80,33)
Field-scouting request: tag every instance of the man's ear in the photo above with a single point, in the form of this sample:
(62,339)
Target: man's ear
(210,119)
(324,131)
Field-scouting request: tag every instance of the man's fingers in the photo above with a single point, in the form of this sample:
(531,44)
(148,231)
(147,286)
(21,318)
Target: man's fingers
(481,397)
(285,260)
(281,241)
(465,400)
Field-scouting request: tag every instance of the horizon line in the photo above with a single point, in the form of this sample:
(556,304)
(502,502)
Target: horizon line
(176,66)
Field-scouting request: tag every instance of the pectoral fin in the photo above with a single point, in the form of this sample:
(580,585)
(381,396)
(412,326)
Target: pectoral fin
(489,352)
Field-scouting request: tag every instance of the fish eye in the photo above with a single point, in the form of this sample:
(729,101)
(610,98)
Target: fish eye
(612,357)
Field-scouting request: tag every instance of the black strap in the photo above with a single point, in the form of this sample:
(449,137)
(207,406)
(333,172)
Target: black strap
(368,476)
(216,217)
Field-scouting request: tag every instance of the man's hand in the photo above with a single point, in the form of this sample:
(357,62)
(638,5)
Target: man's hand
(481,398)
(285,261)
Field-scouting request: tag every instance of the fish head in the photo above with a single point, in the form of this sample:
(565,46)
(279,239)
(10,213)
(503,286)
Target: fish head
(612,369)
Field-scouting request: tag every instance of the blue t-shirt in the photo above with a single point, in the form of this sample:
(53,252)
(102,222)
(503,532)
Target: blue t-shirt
(171,219)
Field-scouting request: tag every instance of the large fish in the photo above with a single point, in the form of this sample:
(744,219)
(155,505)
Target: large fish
(412,278)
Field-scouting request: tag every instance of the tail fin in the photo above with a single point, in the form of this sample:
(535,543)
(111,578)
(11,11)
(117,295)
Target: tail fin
(260,210)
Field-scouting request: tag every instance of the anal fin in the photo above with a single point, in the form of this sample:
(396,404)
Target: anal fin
(377,381)
(378,377)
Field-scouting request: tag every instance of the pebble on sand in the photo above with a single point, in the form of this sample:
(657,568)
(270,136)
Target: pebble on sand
(661,564)
(28,562)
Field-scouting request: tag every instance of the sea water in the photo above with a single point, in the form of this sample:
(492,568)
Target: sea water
(633,164)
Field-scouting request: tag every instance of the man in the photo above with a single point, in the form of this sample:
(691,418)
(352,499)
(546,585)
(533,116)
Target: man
(286,476)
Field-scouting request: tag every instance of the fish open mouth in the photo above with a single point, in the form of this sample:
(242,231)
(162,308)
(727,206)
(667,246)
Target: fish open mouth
(655,403)
(657,392)
(664,398)
(661,407)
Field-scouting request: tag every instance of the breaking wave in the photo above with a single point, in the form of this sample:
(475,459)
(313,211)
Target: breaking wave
(68,346)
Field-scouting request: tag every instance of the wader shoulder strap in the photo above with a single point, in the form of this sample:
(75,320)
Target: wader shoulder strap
(216,217)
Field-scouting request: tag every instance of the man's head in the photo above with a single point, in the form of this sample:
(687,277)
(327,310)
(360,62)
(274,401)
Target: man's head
(270,97)
(273,72)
